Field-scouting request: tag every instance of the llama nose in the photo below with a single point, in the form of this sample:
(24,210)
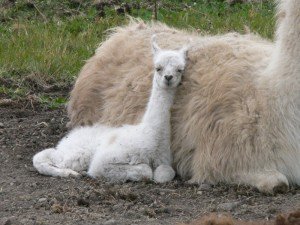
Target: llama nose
(168,77)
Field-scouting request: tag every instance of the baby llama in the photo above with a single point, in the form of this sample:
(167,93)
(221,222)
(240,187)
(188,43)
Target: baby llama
(129,152)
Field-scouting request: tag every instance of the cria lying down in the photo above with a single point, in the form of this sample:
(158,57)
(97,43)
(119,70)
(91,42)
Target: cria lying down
(129,152)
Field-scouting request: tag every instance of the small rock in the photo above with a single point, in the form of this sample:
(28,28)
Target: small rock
(149,212)
(83,202)
(42,200)
(199,192)
(229,206)
(34,185)
(1,125)
(31,169)
(110,222)
(116,207)
(19,157)
(84,173)
(272,210)
(57,208)
(204,187)
(162,210)
(8,222)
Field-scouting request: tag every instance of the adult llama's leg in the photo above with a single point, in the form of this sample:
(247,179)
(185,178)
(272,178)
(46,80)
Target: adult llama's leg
(280,85)
(268,181)
(284,73)
(287,68)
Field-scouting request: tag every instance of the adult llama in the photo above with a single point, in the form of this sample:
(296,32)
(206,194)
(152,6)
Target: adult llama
(236,117)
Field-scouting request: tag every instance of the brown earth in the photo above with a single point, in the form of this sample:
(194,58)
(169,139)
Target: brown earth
(27,197)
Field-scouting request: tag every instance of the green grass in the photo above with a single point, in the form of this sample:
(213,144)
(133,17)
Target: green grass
(53,38)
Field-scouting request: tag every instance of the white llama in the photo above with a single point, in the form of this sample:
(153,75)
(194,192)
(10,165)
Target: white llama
(236,118)
(129,152)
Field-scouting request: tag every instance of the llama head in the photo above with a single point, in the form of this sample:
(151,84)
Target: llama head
(169,65)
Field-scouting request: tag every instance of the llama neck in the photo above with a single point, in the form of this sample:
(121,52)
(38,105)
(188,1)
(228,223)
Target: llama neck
(286,58)
(282,77)
(159,105)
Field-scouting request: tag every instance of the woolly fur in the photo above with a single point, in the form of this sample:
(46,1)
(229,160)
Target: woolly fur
(129,152)
(237,115)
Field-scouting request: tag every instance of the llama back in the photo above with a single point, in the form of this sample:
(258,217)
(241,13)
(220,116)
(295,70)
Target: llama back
(114,89)
(214,106)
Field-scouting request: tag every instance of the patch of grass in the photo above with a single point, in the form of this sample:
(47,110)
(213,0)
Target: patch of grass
(15,93)
(52,102)
(53,38)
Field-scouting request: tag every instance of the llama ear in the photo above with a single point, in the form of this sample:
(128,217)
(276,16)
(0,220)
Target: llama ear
(155,47)
(184,50)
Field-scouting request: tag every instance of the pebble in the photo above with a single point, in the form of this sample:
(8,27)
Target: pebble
(9,221)
(42,200)
(34,185)
(1,125)
(31,169)
(229,206)
(199,192)
(205,187)
(57,208)
(83,202)
(110,222)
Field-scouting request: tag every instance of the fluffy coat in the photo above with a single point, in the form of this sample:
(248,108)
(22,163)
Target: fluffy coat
(237,115)
(130,152)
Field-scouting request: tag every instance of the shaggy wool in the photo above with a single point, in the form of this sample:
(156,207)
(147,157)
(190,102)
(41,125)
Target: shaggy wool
(236,117)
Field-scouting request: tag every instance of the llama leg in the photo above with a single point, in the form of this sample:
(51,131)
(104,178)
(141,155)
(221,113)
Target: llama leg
(163,173)
(269,181)
(139,172)
(122,172)
(44,164)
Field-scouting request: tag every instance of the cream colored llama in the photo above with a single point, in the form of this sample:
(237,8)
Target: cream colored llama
(129,152)
(237,115)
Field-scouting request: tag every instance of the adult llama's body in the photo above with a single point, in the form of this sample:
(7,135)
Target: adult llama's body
(236,117)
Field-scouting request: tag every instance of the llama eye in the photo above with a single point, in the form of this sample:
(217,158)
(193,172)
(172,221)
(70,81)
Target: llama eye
(179,70)
(158,69)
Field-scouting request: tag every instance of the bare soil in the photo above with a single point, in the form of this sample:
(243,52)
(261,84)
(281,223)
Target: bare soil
(27,197)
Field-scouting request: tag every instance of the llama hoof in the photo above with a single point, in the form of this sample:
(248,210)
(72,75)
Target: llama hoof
(273,184)
(139,172)
(281,188)
(163,173)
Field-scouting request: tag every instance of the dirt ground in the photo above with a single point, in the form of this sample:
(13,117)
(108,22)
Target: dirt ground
(27,197)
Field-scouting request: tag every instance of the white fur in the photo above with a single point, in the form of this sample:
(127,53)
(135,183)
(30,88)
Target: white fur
(130,152)
(72,154)
(237,115)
